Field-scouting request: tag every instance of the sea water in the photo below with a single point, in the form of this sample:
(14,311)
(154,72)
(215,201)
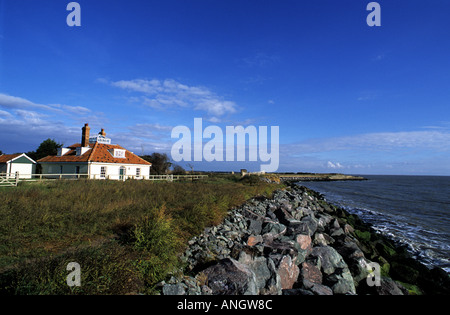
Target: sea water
(412,210)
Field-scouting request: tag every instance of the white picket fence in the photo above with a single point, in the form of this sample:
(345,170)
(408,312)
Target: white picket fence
(13,179)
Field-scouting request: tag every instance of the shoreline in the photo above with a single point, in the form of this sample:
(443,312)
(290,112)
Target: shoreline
(287,177)
(298,244)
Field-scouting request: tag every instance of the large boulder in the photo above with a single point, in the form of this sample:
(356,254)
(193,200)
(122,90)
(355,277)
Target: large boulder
(230,277)
(328,259)
(288,272)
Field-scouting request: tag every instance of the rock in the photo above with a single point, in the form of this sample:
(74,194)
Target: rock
(297,214)
(273,285)
(254,239)
(305,242)
(258,265)
(335,224)
(323,221)
(387,287)
(283,213)
(288,272)
(337,232)
(282,247)
(298,227)
(229,277)
(254,226)
(348,229)
(173,289)
(323,239)
(319,289)
(404,272)
(296,244)
(275,229)
(355,260)
(311,223)
(310,275)
(342,282)
(205,290)
(297,291)
(329,258)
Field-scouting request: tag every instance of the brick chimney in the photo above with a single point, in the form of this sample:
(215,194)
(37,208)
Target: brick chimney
(85,135)
(103,133)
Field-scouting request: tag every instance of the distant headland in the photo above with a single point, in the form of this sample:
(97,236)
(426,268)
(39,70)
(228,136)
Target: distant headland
(317,177)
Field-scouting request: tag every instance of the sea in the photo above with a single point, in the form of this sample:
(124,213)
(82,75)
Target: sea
(411,210)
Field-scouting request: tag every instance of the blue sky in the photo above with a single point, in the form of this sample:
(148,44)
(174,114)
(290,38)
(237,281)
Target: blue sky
(347,97)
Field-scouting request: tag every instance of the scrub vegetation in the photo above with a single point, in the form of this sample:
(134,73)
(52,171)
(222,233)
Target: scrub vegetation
(126,236)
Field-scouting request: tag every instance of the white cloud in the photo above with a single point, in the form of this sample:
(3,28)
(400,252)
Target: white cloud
(24,123)
(5,114)
(214,120)
(336,165)
(30,117)
(172,94)
(138,85)
(408,152)
(14,102)
(9,101)
(382,141)
(216,107)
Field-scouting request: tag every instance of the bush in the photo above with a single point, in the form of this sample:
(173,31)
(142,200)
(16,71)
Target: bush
(156,236)
(250,179)
(125,235)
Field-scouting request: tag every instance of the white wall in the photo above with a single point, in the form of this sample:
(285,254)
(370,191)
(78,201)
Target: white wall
(25,170)
(113,170)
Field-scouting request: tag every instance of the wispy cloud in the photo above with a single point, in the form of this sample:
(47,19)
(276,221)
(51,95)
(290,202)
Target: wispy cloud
(442,126)
(169,93)
(391,152)
(24,123)
(145,138)
(382,141)
(15,102)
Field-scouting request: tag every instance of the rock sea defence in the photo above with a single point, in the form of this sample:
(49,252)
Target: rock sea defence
(298,244)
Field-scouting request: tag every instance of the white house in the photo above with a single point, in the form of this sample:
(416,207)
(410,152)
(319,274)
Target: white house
(96,158)
(12,163)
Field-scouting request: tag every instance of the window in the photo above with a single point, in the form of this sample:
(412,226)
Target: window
(119,153)
(138,172)
(103,172)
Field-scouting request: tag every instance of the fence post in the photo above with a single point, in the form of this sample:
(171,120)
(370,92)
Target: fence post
(17,178)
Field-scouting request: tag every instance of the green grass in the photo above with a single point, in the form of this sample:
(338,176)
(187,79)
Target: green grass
(126,236)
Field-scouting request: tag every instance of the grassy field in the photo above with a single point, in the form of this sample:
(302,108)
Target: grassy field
(126,236)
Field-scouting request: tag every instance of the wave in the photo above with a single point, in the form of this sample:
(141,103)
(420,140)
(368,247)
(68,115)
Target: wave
(424,244)
(410,210)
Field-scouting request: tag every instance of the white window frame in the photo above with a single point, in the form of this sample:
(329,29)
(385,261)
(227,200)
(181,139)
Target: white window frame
(103,173)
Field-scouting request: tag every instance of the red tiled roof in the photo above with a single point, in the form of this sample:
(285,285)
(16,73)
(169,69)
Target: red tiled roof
(99,152)
(8,157)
